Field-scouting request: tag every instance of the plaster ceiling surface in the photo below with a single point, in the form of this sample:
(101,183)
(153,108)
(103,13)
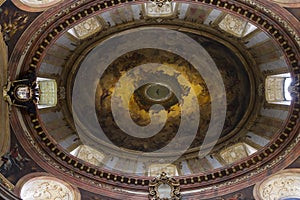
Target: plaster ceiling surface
(126,74)
(181,90)
(172,71)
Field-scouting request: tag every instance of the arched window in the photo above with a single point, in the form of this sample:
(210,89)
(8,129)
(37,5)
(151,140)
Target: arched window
(86,28)
(236,26)
(46,92)
(157,169)
(88,154)
(277,89)
(236,152)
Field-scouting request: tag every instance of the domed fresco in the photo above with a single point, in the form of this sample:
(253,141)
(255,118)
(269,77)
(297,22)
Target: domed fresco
(149,100)
(233,75)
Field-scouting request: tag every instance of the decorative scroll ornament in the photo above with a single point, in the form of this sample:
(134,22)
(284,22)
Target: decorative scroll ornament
(233,25)
(87,27)
(163,188)
(159,8)
(6,183)
(283,185)
(23,92)
(43,188)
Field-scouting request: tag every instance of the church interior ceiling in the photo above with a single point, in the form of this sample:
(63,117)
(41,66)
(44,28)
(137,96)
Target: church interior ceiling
(123,99)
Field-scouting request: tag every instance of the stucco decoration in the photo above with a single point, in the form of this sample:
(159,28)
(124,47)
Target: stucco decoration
(48,89)
(37,2)
(164,187)
(285,184)
(236,26)
(287,3)
(228,178)
(6,183)
(159,8)
(89,154)
(157,169)
(275,89)
(87,28)
(234,153)
(46,188)
(35,5)
(233,25)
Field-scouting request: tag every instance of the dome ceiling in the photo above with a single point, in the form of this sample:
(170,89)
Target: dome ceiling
(139,93)
(159,91)
(179,79)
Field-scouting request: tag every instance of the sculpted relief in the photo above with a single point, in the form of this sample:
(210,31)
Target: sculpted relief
(90,155)
(234,153)
(87,27)
(158,9)
(43,189)
(157,169)
(233,25)
(283,185)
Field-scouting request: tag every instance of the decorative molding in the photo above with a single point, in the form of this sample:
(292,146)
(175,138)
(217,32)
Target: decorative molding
(2,2)
(233,25)
(163,188)
(159,8)
(98,185)
(69,21)
(49,21)
(87,28)
(4,116)
(234,153)
(35,5)
(90,155)
(22,92)
(285,24)
(6,194)
(40,185)
(256,19)
(156,169)
(6,183)
(287,3)
(281,185)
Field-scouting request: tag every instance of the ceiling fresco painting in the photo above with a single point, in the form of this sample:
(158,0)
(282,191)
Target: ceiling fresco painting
(16,163)
(149,99)
(140,103)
